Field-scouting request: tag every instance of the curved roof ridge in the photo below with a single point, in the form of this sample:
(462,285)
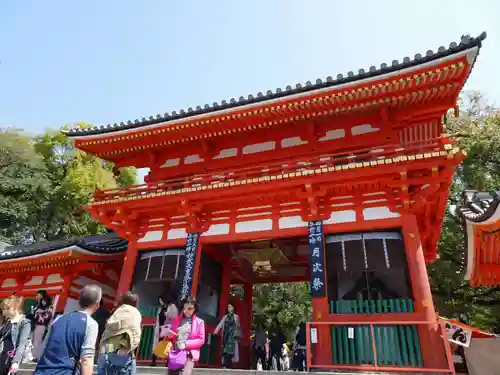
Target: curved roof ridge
(479,206)
(466,42)
(100,244)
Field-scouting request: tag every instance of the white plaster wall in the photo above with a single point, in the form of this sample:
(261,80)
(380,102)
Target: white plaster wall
(291,222)
(83,281)
(176,233)
(227,153)
(254,226)
(192,159)
(54,278)
(337,217)
(333,134)
(376,213)
(292,142)
(363,129)
(259,147)
(217,229)
(171,163)
(153,235)
(9,283)
(35,280)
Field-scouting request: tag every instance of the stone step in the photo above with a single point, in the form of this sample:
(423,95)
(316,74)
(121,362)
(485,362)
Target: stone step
(27,369)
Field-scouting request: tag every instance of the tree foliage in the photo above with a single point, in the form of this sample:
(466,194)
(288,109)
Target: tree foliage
(477,131)
(289,303)
(24,185)
(44,183)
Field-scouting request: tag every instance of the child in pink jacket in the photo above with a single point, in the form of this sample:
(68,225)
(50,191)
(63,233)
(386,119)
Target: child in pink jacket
(188,333)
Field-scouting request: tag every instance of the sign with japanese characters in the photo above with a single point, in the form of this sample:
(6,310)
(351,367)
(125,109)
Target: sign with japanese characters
(317,259)
(189,264)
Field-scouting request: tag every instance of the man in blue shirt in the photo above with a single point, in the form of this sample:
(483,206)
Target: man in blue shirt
(69,346)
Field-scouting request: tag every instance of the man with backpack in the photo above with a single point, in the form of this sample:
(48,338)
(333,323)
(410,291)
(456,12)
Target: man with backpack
(69,345)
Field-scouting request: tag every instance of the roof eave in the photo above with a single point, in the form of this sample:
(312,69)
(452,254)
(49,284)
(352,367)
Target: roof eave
(468,45)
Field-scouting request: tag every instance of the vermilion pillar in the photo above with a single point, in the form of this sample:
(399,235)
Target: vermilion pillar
(224,296)
(20,283)
(318,289)
(63,297)
(225,287)
(246,325)
(430,337)
(418,270)
(248,299)
(127,273)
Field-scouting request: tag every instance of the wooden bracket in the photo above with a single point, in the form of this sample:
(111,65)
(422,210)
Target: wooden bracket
(312,133)
(192,213)
(312,196)
(208,150)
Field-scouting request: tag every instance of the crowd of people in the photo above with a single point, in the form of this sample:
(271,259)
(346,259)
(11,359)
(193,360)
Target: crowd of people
(270,350)
(69,343)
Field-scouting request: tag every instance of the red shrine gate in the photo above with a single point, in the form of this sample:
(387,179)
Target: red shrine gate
(353,171)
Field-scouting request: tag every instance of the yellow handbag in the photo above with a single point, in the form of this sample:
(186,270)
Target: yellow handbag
(163,348)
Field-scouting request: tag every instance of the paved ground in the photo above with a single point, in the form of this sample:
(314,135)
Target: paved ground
(146,370)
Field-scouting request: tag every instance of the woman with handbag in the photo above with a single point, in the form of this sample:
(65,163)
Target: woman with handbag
(231,332)
(188,336)
(120,338)
(167,313)
(14,335)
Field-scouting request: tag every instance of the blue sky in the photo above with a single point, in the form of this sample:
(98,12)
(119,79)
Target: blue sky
(110,61)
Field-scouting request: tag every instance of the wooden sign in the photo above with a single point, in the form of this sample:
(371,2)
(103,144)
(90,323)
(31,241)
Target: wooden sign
(458,334)
(317,259)
(189,264)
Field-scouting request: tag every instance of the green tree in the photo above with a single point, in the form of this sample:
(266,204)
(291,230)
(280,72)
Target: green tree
(24,186)
(69,178)
(289,303)
(477,131)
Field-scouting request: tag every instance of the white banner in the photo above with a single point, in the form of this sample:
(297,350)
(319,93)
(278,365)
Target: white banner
(458,334)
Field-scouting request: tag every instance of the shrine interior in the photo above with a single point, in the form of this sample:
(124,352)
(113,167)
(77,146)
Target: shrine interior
(367,266)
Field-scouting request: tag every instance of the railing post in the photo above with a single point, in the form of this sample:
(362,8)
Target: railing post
(374,347)
(308,346)
(447,348)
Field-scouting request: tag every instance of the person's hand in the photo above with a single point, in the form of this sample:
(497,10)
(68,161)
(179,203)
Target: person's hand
(13,368)
(167,332)
(181,346)
(123,352)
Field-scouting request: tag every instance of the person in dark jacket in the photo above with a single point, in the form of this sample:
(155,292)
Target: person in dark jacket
(69,346)
(101,316)
(299,362)
(43,317)
(277,339)
(14,335)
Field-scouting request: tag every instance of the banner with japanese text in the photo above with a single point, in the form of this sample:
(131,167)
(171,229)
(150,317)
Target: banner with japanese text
(317,259)
(189,264)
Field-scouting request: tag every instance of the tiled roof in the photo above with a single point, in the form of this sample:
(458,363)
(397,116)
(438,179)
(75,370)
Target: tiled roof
(479,261)
(105,244)
(479,206)
(466,42)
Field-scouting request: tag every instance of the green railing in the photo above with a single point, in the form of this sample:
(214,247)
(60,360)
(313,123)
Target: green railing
(396,345)
(148,310)
(145,351)
(371,306)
